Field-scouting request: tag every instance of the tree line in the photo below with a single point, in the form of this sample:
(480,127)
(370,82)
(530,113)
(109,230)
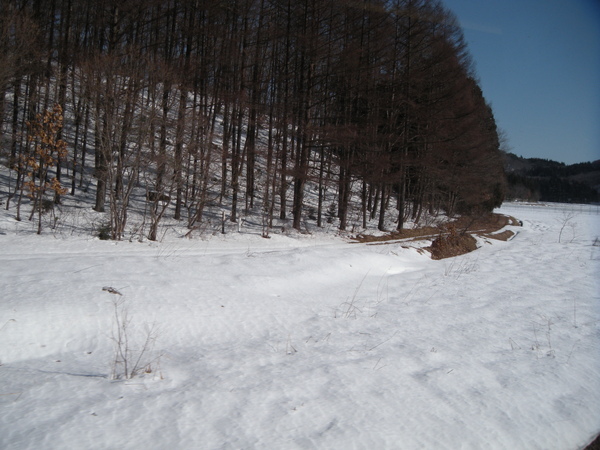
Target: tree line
(535,179)
(248,103)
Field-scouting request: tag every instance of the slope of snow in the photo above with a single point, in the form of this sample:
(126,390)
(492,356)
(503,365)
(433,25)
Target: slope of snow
(305,342)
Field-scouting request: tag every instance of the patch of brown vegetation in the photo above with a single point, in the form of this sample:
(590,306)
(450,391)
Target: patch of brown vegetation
(503,236)
(395,235)
(486,224)
(489,229)
(453,238)
(452,243)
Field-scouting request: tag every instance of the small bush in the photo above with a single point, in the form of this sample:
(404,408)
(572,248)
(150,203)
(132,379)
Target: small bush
(103,232)
(47,205)
(134,352)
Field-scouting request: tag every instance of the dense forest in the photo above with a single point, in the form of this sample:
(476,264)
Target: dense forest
(247,106)
(535,179)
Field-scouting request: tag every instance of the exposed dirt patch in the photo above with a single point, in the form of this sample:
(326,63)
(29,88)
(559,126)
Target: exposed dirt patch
(453,238)
(502,236)
(452,244)
(487,226)
(395,235)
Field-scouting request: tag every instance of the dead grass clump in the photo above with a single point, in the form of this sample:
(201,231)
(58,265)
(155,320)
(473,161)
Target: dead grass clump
(451,243)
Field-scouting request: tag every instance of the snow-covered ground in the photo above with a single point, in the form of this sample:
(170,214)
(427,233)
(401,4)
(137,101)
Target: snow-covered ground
(304,342)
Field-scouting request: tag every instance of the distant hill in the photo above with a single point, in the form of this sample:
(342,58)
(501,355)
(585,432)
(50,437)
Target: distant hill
(538,179)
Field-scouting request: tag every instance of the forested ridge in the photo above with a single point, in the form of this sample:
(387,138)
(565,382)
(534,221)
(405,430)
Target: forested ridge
(244,106)
(535,179)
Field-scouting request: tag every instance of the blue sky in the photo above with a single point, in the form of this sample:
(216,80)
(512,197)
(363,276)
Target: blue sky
(538,62)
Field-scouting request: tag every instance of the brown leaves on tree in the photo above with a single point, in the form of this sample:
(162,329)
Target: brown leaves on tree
(49,149)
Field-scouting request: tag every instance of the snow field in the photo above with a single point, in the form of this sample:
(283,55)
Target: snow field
(299,343)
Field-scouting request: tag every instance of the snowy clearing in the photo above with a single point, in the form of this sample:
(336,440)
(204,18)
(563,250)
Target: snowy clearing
(305,342)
